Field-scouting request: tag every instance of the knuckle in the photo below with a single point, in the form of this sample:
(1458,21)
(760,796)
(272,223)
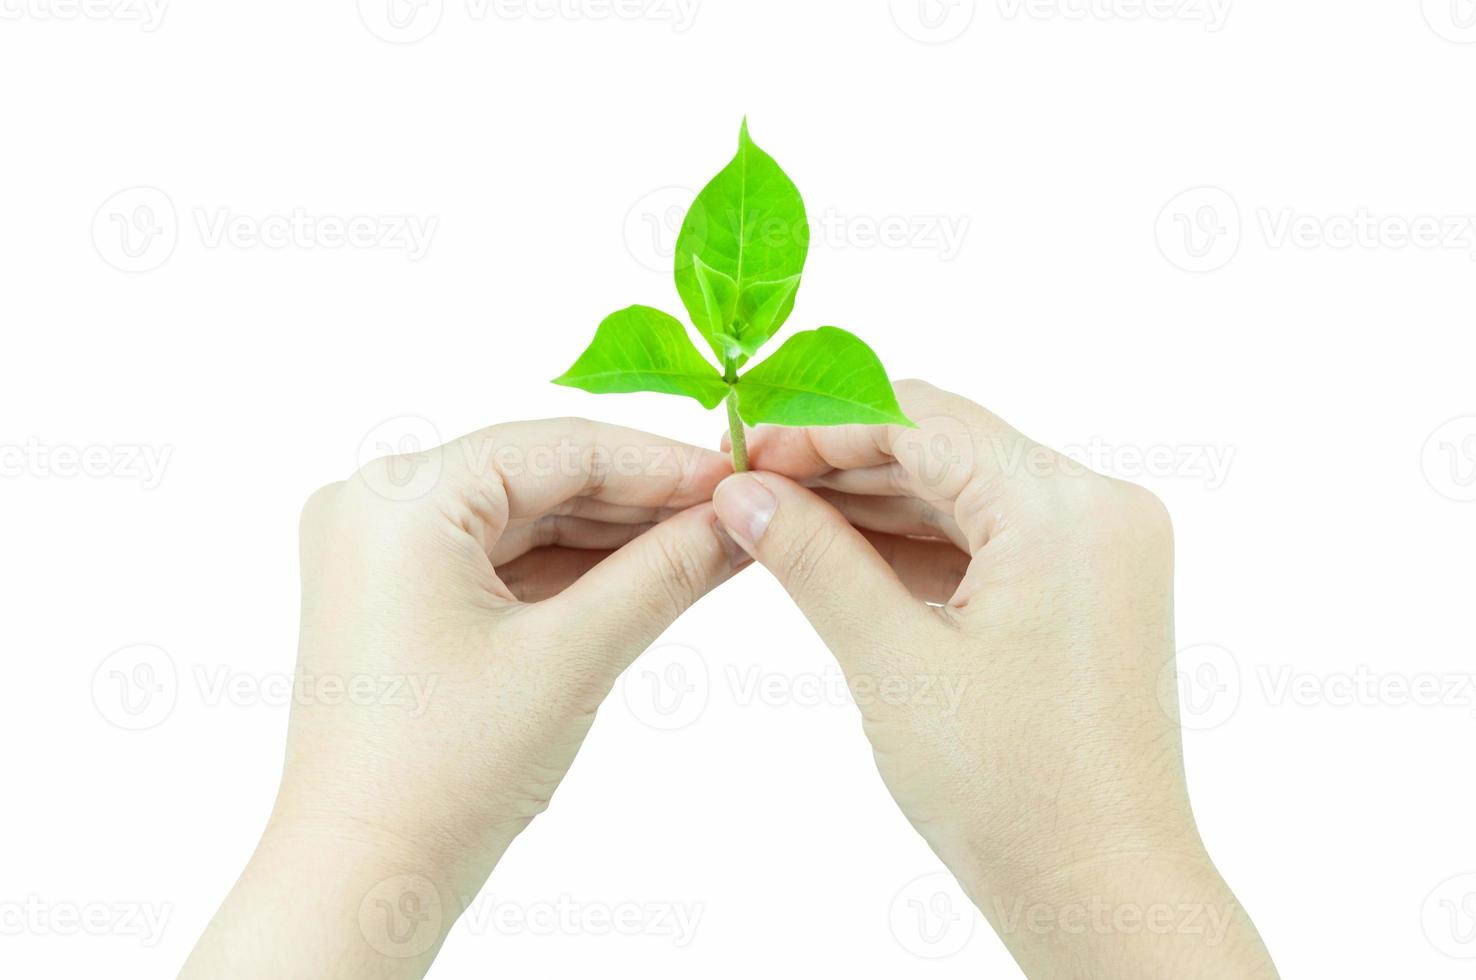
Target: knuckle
(680,575)
(807,554)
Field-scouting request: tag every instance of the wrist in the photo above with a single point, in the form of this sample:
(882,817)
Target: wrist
(1155,914)
(315,901)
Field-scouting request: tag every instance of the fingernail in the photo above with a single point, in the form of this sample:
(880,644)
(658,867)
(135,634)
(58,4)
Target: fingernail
(745,506)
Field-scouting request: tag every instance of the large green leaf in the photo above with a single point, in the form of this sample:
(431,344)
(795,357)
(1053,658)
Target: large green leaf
(820,377)
(749,225)
(643,349)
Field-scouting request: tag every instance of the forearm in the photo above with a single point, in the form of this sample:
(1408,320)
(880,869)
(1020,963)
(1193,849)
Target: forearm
(320,906)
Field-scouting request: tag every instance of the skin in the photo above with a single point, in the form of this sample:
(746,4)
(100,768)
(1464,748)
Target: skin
(1004,617)
(962,557)
(539,561)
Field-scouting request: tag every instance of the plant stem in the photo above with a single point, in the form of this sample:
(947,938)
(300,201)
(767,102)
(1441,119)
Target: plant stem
(735,433)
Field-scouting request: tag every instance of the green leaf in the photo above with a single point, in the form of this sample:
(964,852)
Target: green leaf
(820,377)
(748,224)
(720,302)
(763,310)
(643,349)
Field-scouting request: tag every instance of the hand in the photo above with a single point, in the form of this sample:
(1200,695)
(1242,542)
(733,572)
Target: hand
(469,634)
(1005,618)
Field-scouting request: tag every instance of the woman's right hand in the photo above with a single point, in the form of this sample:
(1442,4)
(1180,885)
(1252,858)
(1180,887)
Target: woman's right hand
(1005,619)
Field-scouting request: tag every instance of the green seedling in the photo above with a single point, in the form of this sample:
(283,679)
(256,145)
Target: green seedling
(738,261)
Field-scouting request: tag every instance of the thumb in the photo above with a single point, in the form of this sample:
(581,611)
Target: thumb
(845,589)
(628,600)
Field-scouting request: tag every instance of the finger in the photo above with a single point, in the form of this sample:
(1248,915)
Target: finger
(959,450)
(529,469)
(931,569)
(620,606)
(600,510)
(851,596)
(559,531)
(545,572)
(906,516)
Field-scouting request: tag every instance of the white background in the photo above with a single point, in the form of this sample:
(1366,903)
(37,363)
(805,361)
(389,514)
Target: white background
(1324,562)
